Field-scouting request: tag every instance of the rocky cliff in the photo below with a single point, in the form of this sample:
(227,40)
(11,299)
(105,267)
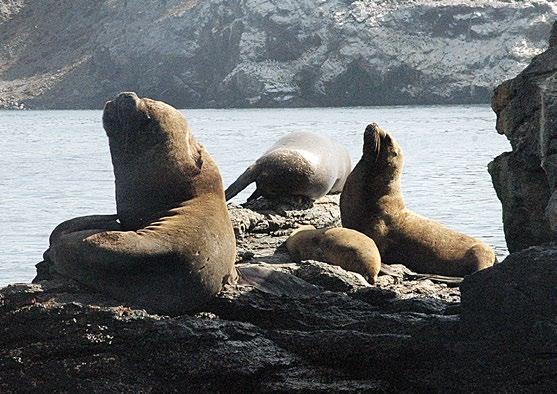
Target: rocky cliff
(307,327)
(191,53)
(526,178)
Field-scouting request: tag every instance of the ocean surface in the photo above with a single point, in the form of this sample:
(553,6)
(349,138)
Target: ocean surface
(55,165)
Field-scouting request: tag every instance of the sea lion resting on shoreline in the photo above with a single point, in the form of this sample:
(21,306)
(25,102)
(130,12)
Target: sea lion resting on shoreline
(171,245)
(349,249)
(372,203)
(299,164)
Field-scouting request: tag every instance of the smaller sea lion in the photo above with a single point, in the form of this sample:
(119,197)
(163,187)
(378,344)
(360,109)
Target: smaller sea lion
(349,249)
(371,202)
(300,164)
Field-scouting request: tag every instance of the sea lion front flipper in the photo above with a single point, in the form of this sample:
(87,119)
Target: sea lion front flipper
(109,250)
(248,176)
(91,222)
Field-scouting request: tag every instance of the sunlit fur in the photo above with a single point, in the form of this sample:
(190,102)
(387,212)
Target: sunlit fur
(372,202)
(346,248)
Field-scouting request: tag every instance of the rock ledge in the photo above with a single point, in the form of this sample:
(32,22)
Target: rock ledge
(306,327)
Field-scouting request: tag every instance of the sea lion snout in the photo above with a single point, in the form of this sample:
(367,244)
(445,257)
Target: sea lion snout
(122,102)
(126,112)
(372,141)
(126,100)
(373,128)
(379,146)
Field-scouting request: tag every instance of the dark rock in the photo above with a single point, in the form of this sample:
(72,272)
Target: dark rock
(524,195)
(516,296)
(553,36)
(526,178)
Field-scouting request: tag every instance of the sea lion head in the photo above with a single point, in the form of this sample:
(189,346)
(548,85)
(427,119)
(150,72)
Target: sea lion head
(381,149)
(135,125)
(129,124)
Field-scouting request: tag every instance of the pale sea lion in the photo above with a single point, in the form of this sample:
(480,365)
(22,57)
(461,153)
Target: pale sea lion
(372,203)
(171,245)
(301,164)
(349,249)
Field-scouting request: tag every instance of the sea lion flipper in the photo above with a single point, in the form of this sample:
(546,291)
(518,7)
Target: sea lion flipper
(255,195)
(249,176)
(111,250)
(105,222)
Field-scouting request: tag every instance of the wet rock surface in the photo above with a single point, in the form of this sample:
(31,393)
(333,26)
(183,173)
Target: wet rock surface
(526,178)
(307,327)
(276,53)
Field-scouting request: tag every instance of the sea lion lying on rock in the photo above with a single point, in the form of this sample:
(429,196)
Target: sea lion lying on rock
(372,203)
(349,249)
(300,164)
(171,245)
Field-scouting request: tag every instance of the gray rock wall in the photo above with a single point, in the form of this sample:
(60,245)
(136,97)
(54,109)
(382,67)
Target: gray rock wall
(525,179)
(75,54)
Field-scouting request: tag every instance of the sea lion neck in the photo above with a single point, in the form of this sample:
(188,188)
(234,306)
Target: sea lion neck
(384,187)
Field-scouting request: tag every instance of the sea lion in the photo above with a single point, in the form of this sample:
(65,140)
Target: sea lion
(371,202)
(349,249)
(300,164)
(171,245)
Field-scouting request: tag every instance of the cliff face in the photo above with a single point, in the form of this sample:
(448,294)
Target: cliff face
(75,54)
(525,179)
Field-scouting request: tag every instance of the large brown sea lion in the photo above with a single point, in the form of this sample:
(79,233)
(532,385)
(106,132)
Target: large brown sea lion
(349,249)
(372,203)
(171,245)
(299,164)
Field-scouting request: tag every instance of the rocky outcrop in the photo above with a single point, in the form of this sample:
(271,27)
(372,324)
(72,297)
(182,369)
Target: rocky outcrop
(76,54)
(525,179)
(516,297)
(307,327)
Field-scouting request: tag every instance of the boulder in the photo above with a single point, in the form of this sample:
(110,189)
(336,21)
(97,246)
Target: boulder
(515,297)
(525,179)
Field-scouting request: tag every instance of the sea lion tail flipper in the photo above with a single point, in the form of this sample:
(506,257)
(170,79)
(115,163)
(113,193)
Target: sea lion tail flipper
(255,195)
(275,282)
(242,182)
(450,281)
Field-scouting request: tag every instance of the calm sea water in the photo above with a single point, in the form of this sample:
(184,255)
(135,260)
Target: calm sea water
(55,165)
